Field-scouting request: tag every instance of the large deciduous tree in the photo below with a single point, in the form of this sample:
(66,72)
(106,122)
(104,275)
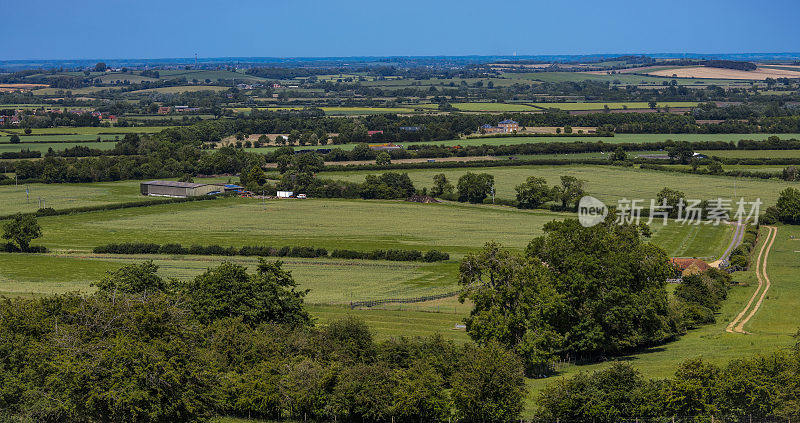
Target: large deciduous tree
(22,229)
(228,290)
(474,188)
(576,291)
(533,193)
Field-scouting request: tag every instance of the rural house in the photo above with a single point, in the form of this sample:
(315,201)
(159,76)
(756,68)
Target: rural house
(508,126)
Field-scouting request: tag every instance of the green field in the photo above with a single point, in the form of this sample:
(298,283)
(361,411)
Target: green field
(352,224)
(608,183)
(618,138)
(754,154)
(613,105)
(87,130)
(13,198)
(57,146)
(180,89)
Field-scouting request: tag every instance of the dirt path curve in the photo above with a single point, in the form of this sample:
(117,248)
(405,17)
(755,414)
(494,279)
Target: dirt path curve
(737,325)
(738,234)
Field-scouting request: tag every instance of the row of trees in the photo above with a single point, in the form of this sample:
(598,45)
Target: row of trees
(746,389)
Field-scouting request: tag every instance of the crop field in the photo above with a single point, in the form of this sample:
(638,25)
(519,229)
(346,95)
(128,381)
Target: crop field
(703,72)
(608,183)
(623,79)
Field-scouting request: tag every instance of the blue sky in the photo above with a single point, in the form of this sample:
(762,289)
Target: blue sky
(116,29)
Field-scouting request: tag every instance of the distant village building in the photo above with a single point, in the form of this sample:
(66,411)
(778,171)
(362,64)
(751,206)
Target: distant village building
(411,128)
(504,127)
(509,125)
(371,133)
(164,110)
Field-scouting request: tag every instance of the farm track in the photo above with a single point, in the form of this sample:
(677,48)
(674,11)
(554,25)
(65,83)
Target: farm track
(738,234)
(737,325)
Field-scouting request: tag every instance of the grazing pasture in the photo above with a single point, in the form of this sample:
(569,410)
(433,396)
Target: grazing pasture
(608,183)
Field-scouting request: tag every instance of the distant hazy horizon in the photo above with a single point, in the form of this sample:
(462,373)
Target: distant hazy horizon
(356,28)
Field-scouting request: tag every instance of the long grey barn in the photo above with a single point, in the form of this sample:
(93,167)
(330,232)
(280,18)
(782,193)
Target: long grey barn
(177,189)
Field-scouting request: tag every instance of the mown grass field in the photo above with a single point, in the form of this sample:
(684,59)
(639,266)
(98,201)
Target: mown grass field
(608,183)
(754,154)
(13,198)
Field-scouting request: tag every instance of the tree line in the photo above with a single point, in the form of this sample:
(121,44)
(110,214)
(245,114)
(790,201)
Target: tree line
(232,343)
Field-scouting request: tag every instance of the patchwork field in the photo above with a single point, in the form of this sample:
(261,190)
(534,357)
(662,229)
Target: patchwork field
(352,224)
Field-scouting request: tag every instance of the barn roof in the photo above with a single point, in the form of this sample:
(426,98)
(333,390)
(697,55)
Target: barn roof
(174,184)
(685,263)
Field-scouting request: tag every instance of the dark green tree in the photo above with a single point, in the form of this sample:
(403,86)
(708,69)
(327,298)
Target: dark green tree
(383,159)
(488,385)
(474,188)
(133,279)
(788,206)
(533,193)
(228,290)
(22,229)
(441,186)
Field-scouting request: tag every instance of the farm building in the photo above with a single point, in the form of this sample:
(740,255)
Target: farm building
(690,266)
(385,147)
(177,189)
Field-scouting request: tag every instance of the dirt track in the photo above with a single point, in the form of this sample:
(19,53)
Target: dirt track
(737,325)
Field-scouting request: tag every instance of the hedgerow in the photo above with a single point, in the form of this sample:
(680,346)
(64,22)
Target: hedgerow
(267,251)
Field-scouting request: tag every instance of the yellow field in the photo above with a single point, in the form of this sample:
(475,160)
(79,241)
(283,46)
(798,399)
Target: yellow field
(718,73)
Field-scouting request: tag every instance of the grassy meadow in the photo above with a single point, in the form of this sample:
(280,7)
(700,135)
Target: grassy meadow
(608,183)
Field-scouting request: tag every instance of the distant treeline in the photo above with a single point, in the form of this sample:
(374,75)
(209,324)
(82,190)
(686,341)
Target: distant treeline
(266,251)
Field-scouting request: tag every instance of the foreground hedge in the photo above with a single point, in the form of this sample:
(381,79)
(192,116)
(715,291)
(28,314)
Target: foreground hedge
(266,251)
